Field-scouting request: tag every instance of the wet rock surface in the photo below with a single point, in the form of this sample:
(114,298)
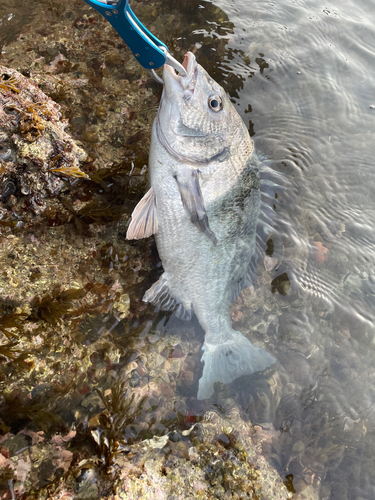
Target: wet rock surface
(38,159)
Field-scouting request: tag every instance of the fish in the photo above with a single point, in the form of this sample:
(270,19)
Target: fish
(204,208)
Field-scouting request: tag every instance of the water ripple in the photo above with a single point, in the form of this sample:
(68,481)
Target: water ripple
(310,113)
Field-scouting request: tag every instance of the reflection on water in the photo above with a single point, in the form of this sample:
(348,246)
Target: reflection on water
(309,105)
(313,116)
(301,76)
(14,16)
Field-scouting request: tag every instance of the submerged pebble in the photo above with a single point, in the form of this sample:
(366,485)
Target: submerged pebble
(100,112)
(90,136)
(5,153)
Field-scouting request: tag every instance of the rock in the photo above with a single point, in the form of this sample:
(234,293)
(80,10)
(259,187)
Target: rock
(269,263)
(38,158)
(177,469)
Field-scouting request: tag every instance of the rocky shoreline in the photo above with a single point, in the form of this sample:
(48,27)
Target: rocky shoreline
(97,401)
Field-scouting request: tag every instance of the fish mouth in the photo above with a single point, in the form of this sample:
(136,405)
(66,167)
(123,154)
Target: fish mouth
(175,81)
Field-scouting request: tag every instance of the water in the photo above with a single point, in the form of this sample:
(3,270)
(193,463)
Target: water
(302,77)
(311,111)
(307,91)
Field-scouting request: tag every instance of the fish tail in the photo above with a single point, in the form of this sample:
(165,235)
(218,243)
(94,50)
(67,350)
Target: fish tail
(226,362)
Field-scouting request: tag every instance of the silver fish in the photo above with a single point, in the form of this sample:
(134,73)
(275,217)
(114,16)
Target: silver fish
(203,207)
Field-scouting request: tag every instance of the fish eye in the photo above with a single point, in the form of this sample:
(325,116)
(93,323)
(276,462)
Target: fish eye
(215,103)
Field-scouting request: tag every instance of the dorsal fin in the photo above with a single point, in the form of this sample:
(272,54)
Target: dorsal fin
(192,200)
(271,184)
(144,221)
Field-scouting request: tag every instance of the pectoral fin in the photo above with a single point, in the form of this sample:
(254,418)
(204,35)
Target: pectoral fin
(192,200)
(144,221)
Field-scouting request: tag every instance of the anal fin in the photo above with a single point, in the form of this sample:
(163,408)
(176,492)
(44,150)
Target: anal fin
(160,296)
(144,221)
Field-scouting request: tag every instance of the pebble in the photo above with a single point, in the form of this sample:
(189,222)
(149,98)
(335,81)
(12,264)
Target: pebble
(193,454)
(187,376)
(134,379)
(180,449)
(298,447)
(223,440)
(269,263)
(176,352)
(92,400)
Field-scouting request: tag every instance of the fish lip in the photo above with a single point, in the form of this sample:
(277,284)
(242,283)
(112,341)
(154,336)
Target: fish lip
(179,82)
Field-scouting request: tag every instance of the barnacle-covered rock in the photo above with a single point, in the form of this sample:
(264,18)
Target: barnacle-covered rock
(37,157)
(207,461)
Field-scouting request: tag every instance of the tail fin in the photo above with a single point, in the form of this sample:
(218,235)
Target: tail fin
(226,362)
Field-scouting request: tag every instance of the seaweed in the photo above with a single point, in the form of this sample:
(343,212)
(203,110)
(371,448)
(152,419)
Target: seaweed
(122,169)
(113,258)
(31,123)
(11,325)
(289,483)
(103,302)
(70,171)
(232,472)
(52,306)
(31,126)
(9,351)
(126,168)
(172,36)
(10,322)
(55,8)
(9,83)
(60,163)
(40,107)
(102,212)
(117,415)
(7,474)
(7,223)
(281,284)
(18,407)
(60,92)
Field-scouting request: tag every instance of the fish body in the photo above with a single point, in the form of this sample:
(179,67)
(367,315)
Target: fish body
(203,207)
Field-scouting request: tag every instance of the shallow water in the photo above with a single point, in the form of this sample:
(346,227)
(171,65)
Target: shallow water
(302,77)
(311,101)
(305,84)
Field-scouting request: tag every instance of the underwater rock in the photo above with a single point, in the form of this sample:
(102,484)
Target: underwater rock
(212,461)
(38,159)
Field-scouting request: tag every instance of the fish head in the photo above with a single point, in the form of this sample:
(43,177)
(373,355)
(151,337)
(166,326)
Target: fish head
(196,121)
